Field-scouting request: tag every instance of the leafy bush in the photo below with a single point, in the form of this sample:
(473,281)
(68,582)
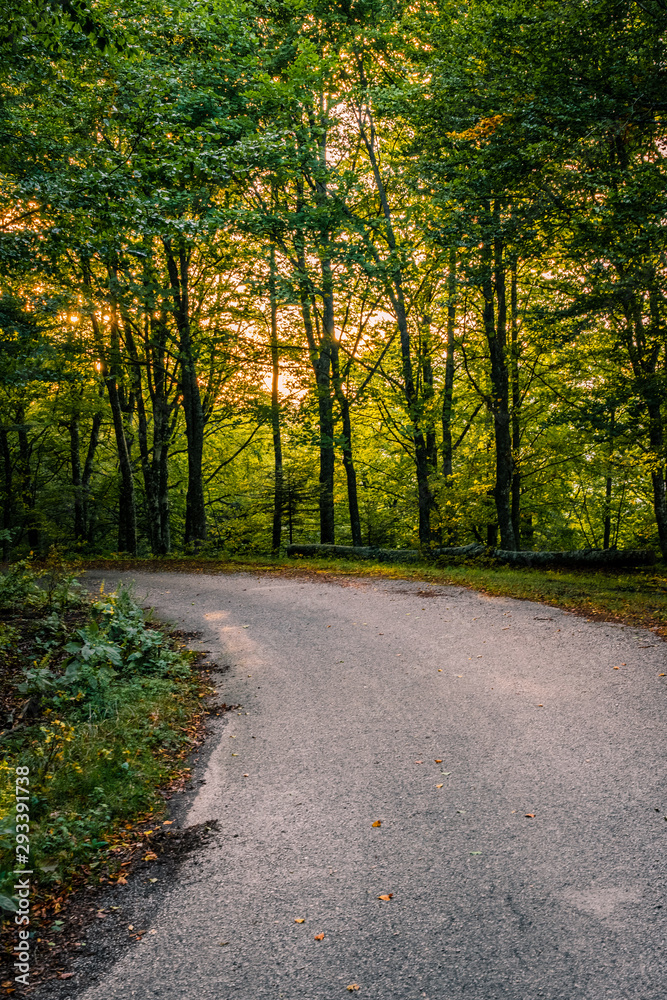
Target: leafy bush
(115,644)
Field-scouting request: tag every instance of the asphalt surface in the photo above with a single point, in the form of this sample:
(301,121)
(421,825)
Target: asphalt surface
(447,716)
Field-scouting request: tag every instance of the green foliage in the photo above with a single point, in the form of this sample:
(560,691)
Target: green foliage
(110,698)
(200,198)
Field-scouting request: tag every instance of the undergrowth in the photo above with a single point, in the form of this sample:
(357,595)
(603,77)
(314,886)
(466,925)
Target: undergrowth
(97,705)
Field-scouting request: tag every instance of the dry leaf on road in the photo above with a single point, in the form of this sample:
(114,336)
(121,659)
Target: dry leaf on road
(299,920)
(353,986)
(530,815)
(319,937)
(378,822)
(387,896)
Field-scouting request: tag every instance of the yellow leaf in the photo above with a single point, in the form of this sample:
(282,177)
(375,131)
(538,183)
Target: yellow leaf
(438,786)
(299,920)
(319,937)
(530,815)
(353,986)
(387,896)
(378,822)
(438,761)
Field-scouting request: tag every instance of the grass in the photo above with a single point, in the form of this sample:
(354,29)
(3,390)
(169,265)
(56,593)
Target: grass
(637,598)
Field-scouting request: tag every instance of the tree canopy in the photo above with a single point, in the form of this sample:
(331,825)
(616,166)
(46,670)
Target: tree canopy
(372,273)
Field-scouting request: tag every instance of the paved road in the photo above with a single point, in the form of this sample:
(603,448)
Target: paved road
(448,716)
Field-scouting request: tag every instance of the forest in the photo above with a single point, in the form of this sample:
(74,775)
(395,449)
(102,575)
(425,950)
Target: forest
(369,272)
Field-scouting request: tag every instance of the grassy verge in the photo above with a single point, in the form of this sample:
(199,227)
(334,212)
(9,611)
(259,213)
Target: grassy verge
(102,709)
(632,598)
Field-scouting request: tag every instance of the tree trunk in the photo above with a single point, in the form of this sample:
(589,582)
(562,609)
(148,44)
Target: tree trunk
(320,360)
(27,494)
(516,404)
(75,461)
(428,393)
(93,441)
(609,485)
(397,297)
(7,492)
(127,517)
(147,466)
(495,327)
(163,422)
(448,389)
(195,514)
(346,447)
(275,414)
(656,438)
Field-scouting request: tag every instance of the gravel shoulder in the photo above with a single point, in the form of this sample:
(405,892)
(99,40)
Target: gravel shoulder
(518,779)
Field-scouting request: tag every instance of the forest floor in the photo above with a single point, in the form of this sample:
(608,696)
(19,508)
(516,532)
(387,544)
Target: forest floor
(636,598)
(396,810)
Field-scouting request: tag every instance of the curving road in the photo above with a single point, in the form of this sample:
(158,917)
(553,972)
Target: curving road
(447,716)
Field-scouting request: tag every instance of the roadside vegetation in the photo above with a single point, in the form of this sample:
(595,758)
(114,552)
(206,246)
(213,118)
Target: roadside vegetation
(102,707)
(636,597)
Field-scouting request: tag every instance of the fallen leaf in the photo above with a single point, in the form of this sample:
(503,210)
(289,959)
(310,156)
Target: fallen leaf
(475,852)
(319,937)
(387,896)
(439,670)
(121,881)
(540,706)
(378,822)
(299,920)
(439,786)
(7,984)
(246,775)
(438,761)
(617,668)
(130,927)
(65,975)
(662,675)
(460,675)
(151,856)
(419,762)
(530,815)
(234,755)
(168,822)
(152,880)
(353,986)
(221,944)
